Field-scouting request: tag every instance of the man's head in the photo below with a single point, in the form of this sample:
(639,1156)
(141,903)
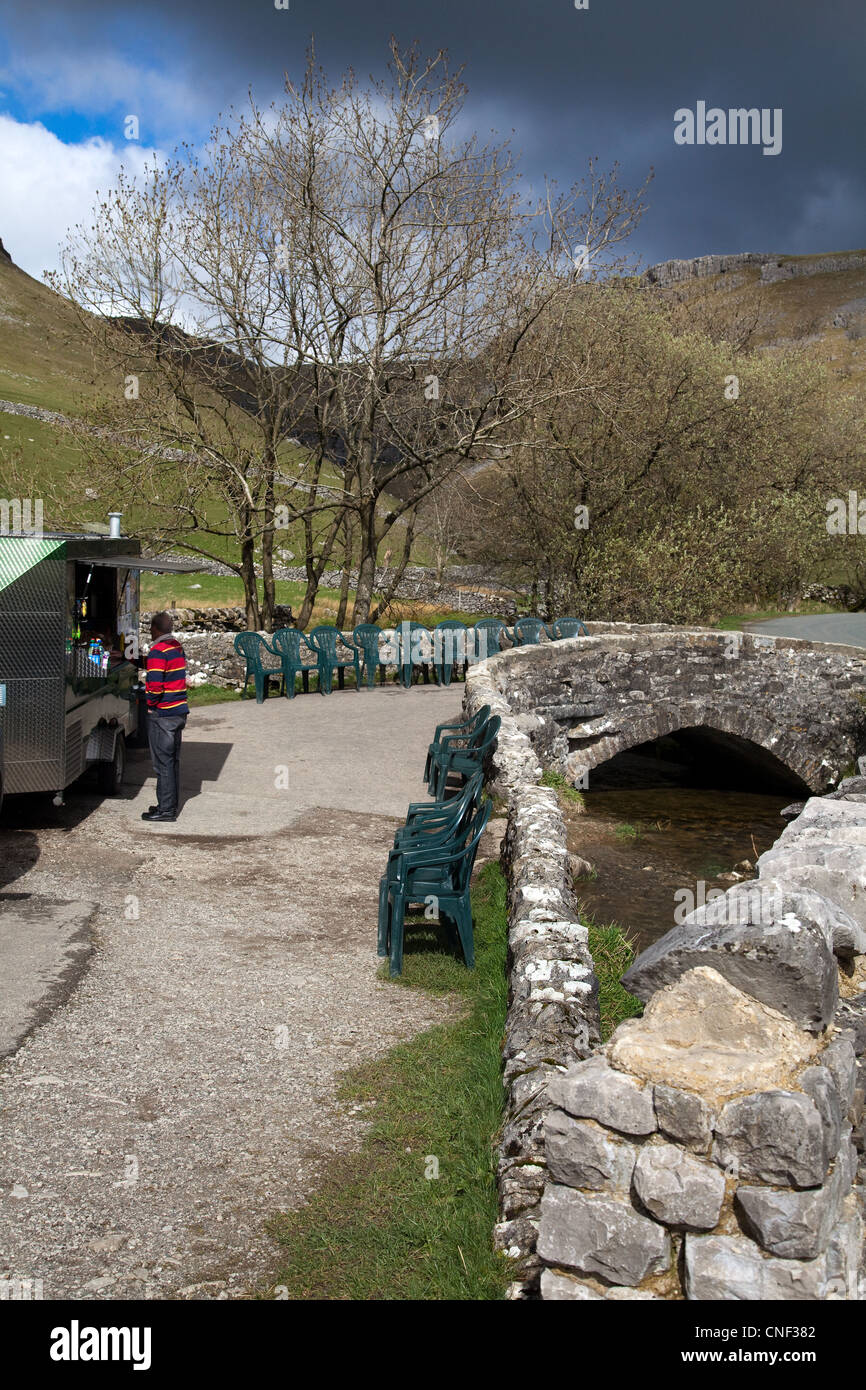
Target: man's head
(160,626)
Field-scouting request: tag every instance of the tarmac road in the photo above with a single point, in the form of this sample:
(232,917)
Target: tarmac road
(178,1086)
(847,629)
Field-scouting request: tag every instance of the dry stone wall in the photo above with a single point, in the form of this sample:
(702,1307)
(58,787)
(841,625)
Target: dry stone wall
(714,1147)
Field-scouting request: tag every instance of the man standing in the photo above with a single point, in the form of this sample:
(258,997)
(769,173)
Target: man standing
(167,710)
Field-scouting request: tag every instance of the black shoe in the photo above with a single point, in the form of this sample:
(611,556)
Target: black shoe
(159,815)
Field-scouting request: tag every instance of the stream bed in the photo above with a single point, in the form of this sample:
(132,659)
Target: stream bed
(648,843)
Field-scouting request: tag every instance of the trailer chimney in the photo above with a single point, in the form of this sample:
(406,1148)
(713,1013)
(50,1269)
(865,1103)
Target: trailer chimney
(114,525)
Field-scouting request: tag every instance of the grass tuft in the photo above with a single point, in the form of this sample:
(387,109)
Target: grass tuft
(612,953)
(563,786)
(378,1228)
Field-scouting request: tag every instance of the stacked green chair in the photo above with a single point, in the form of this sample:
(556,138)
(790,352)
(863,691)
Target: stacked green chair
(366,638)
(462,727)
(488,634)
(528,632)
(450,648)
(426,821)
(328,643)
(256,653)
(297,656)
(440,874)
(463,755)
(566,627)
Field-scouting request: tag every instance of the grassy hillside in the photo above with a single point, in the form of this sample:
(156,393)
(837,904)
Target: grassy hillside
(45,361)
(44,356)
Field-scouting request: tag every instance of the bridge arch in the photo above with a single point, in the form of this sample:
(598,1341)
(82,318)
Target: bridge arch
(711,734)
(796,710)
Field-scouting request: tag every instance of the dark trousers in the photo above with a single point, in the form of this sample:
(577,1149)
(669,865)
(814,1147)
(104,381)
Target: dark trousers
(164,733)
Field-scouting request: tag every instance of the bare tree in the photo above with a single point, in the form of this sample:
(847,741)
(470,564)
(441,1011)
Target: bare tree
(347,270)
(416,273)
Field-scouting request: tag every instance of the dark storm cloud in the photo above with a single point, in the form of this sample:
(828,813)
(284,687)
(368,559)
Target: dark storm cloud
(604,81)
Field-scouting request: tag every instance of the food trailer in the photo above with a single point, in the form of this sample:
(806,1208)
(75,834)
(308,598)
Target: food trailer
(70,690)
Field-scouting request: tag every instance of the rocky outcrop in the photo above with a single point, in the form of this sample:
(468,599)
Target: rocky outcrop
(773,266)
(668,273)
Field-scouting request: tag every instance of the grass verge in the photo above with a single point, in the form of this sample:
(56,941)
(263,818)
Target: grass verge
(381,1226)
(209,695)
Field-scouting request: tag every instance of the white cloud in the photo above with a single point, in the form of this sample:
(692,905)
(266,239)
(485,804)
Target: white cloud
(47,186)
(102,84)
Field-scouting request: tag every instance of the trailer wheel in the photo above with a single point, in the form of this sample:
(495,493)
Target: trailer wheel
(109,775)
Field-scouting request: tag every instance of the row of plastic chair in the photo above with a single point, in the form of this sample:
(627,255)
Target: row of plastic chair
(434,852)
(412,647)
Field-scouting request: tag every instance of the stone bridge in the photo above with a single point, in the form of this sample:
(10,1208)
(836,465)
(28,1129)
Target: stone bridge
(667,1162)
(790,713)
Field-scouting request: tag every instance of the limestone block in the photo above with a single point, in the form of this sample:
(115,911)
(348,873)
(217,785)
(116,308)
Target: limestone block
(703,1035)
(774,1137)
(593,1090)
(683,1116)
(837,872)
(840,1060)
(798,1225)
(729,1268)
(600,1235)
(678,1189)
(763,943)
(559,1287)
(580,1153)
(818,1083)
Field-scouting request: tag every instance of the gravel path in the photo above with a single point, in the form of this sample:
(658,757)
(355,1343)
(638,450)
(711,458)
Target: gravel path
(184,1092)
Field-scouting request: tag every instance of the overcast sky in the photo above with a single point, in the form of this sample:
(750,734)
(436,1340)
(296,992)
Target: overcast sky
(569,83)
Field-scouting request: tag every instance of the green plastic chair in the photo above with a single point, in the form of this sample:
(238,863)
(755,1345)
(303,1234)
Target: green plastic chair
(462,728)
(450,648)
(366,638)
(441,874)
(528,632)
(252,647)
(409,637)
(328,642)
(566,627)
(463,755)
(297,656)
(488,637)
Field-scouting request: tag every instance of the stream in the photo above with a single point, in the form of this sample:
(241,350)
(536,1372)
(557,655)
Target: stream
(647,843)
